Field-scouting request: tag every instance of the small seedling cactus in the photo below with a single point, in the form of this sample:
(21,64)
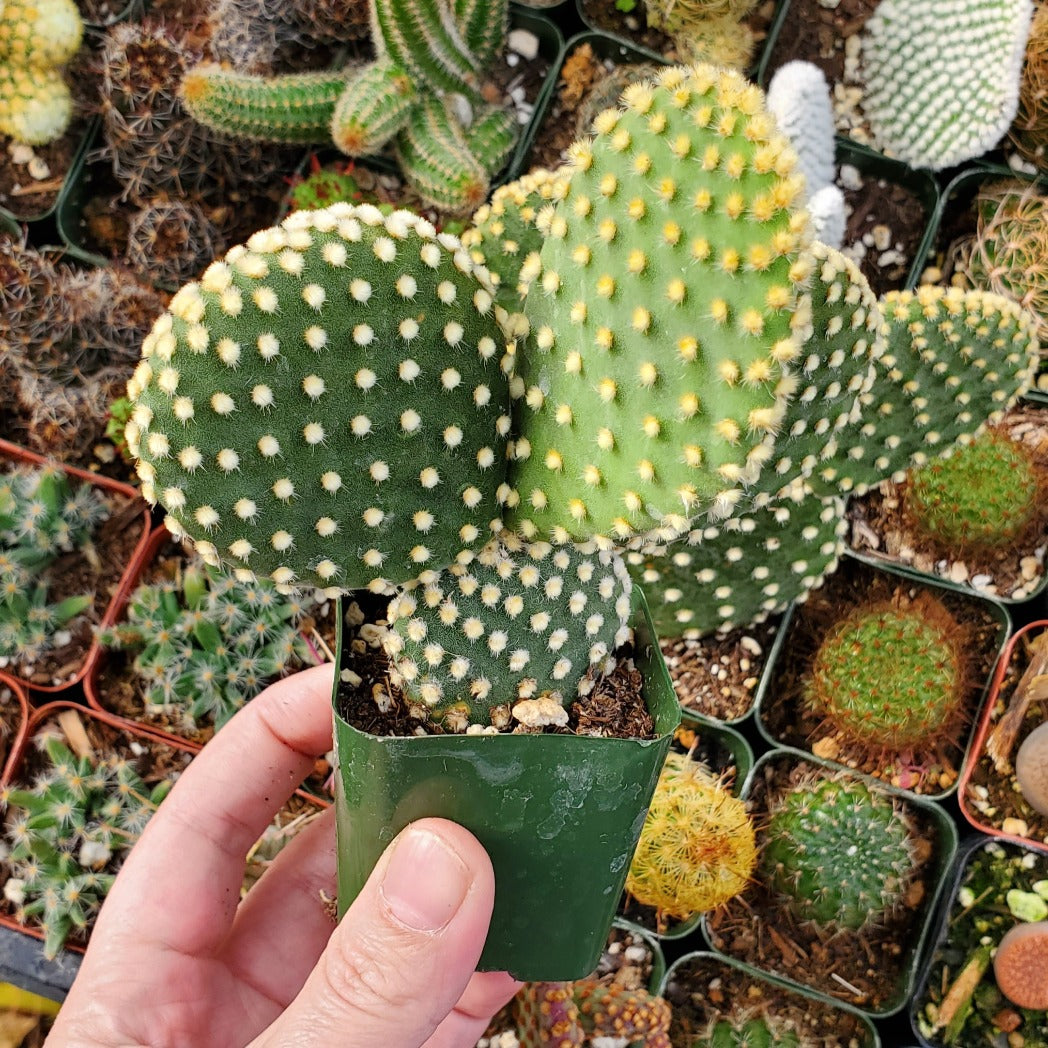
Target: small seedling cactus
(892,675)
(838,852)
(697,848)
(67,836)
(749,1031)
(37,38)
(208,643)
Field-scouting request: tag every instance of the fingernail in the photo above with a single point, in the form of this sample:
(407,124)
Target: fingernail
(425,881)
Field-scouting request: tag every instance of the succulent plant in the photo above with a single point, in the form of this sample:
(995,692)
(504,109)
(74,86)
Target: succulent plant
(749,1031)
(892,674)
(838,852)
(719,41)
(564,1014)
(1029,131)
(680,16)
(799,99)
(37,38)
(942,79)
(1031,769)
(208,643)
(697,848)
(68,835)
(988,495)
(1019,965)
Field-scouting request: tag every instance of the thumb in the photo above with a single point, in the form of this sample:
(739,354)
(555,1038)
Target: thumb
(402,956)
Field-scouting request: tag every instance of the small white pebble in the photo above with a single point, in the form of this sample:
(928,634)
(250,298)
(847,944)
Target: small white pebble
(524,42)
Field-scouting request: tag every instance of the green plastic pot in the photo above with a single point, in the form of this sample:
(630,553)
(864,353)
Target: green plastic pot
(767,694)
(9,227)
(675,984)
(944,849)
(559,816)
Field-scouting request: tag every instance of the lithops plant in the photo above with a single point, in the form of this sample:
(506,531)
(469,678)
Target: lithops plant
(1031,769)
(1020,964)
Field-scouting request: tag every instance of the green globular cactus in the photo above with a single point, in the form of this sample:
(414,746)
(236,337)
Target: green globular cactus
(753,1031)
(942,78)
(955,362)
(37,38)
(891,675)
(566,1014)
(743,570)
(987,496)
(516,622)
(329,405)
(68,834)
(839,852)
(697,849)
(661,311)
(208,643)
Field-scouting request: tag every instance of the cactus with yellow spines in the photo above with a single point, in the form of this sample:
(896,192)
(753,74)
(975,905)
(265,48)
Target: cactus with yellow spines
(37,38)
(427,52)
(697,848)
(661,307)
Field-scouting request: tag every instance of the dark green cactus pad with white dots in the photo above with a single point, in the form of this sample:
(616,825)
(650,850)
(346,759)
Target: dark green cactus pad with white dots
(743,570)
(661,315)
(834,369)
(955,362)
(329,404)
(520,621)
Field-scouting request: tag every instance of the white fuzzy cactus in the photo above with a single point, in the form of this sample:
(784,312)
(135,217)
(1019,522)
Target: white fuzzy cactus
(828,218)
(942,76)
(799,99)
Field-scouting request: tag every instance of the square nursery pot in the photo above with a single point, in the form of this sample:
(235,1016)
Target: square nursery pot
(973,917)
(703,987)
(559,816)
(14,720)
(930,771)
(721,749)
(133,524)
(989,794)
(874,973)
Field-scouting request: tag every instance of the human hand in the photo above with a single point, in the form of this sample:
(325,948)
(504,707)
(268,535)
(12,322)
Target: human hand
(176,959)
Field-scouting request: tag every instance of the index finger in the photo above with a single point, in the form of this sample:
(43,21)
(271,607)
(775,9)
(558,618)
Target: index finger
(186,870)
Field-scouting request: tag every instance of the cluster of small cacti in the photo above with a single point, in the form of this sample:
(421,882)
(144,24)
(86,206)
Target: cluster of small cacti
(987,496)
(68,834)
(37,39)
(942,79)
(891,675)
(710,31)
(697,848)
(1029,132)
(839,853)
(422,93)
(42,516)
(748,1031)
(568,1014)
(208,643)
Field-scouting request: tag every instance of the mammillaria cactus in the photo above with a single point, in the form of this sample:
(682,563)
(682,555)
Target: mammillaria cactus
(697,848)
(37,38)
(838,852)
(892,674)
(942,77)
(1029,132)
(568,1014)
(748,1031)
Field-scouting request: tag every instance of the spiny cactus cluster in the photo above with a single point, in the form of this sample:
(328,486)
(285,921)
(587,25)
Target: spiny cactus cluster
(421,93)
(208,643)
(838,852)
(37,39)
(891,675)
(565,1014)
(706,30)
(942,79)
(987,496)
(749,1031)
(42,516)
(697,848)
(68,835)
(1029,131)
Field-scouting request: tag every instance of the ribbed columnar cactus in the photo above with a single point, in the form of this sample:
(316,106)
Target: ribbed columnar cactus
(839,852)
(891,675)
(329,405)
(942,76)
(752,566)
(514,622)
(697,848)
(37,38)
(987,496)
(749,1031)
(422,93)
(565,1015)
(661,309)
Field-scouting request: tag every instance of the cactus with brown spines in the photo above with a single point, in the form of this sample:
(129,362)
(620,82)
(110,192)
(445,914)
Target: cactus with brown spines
(169,241)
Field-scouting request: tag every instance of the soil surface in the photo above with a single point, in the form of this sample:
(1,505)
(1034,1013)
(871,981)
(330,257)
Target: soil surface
(928,770)
(879,528)
(865,968)
(705,989)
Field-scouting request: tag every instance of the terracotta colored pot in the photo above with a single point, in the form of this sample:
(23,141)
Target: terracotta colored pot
(17,737)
